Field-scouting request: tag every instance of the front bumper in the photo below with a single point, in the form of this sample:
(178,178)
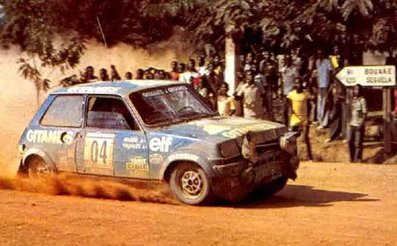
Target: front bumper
(234,180)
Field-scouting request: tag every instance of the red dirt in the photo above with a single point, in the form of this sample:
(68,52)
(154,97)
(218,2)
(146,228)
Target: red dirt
(330,204)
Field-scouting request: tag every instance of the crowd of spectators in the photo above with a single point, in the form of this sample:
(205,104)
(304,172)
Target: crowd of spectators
(303,84)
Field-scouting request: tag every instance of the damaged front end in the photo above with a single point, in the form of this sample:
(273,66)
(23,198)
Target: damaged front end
(256,159)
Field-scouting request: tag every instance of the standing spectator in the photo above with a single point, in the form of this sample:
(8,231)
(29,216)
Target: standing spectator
(88,75)
(356,133)
(336,58)
(297,59)
(288,75)
(336,114)
(114,75)
(250,95)
(103,74)
(202,88)
(260,82)
(202,67)
(213,79)
(174,73)
(269,69)
(128,76)
(218,66)
(299,104)
(139,74)
(324,78)
(238,103)
(147,75)
(249,61)
(190,73)
(393,61)
(225,102)
(181,68)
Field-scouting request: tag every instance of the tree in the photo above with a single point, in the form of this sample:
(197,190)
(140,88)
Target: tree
(37,37)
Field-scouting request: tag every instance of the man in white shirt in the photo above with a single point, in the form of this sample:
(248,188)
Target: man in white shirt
(251,97)
(190,73)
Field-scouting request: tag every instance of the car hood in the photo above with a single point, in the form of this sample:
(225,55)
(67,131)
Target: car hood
(224,128)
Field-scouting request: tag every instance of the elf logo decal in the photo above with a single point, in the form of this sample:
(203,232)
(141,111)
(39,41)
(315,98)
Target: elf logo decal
(162,144)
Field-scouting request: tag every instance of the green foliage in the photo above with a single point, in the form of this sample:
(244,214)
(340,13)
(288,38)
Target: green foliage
(30,24)
(276,24)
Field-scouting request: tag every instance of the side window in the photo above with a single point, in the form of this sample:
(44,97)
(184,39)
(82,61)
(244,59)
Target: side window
(109,113)
(64,111)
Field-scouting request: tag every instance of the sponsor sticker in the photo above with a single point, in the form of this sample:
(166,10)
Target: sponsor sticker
(134,143)
(156,158)
(137,164)
(49,137)
(105,89)
(160,144)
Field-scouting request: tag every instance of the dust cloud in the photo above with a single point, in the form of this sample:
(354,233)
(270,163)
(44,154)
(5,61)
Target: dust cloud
(92,187)
(18,96)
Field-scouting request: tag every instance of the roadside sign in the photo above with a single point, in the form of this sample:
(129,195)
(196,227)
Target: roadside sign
(377,76)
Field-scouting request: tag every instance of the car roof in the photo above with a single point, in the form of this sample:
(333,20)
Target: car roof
(120,88)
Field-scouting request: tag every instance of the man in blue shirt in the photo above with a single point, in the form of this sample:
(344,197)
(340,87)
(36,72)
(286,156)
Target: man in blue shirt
(324,78)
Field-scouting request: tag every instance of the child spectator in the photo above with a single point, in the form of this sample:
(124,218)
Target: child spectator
(356,133)
(225,102)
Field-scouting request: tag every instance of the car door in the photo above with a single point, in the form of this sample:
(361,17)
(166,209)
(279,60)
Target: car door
(59,130)
(112,142)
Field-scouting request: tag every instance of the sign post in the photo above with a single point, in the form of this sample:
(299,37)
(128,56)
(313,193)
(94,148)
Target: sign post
(374,76)
(368,76)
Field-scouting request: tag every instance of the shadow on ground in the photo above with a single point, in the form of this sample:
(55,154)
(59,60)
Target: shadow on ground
(301,195)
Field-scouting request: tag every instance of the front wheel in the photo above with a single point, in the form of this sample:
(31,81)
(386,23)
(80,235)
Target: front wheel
(269,189)
(190,184)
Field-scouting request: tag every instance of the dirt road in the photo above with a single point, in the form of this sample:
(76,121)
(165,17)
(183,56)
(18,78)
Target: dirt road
(338,204)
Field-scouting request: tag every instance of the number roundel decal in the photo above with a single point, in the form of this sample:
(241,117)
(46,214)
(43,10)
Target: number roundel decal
(98,150)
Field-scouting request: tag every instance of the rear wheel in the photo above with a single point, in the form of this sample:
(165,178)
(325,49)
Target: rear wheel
(190,184)
(35,167)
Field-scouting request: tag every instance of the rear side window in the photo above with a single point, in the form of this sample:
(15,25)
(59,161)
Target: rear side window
(64,111)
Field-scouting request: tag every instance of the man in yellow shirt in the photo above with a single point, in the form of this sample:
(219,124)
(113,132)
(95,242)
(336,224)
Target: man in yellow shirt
(299,102)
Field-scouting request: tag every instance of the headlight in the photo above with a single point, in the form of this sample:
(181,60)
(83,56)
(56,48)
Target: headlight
(229,149)
(288,143)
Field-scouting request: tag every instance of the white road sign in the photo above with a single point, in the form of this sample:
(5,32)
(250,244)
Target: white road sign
(368,76)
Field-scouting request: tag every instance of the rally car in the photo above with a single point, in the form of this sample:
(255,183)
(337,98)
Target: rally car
(157,130)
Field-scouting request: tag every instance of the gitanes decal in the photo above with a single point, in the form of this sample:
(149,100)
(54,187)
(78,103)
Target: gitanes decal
(48,137)
(160,144)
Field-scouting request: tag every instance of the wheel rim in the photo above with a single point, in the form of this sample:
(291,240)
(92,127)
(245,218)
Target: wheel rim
(192,184)
(39,168)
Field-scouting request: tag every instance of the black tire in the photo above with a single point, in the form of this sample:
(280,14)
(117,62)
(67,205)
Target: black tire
(36,167)
(190,184)
(269,189)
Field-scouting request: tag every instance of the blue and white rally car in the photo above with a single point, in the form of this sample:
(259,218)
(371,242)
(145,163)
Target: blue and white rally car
(157,130)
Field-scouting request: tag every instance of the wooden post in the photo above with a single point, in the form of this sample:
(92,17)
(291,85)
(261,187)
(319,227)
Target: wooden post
(387,121)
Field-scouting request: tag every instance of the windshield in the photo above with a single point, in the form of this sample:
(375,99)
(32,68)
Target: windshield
(170,104)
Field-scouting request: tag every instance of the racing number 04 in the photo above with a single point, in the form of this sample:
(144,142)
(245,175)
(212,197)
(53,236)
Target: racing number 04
(98,150)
